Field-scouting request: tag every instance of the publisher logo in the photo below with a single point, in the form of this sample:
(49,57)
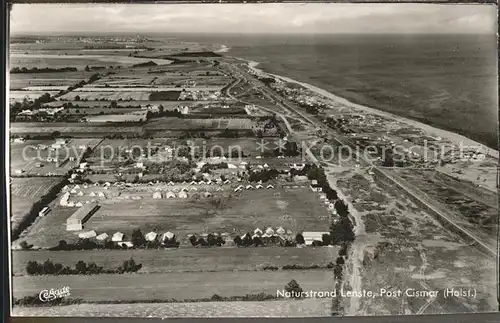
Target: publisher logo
(48,295)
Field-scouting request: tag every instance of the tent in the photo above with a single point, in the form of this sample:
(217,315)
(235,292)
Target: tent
(73,191)
(170,195)
(185,189)
(65,188)
(259,186)
(127,244)
(269,186)
(257,231)
(102,237)
(71,204)
(183,195)
(194,189)
(92,194)
(168,235)
(101,194)
(118,236)
(249,187)
(151,236)
(87,235)
(157,195)
(280,230)
(79,204)
(85,186)
(193,183)
(269,231)
(80,193)
(170,183)
(77,187)
(207,194)
(96,184)
(238,189)
(136,197)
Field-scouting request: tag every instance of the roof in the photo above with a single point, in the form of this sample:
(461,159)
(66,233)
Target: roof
(82,212)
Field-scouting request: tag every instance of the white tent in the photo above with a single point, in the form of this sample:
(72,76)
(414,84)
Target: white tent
(270,231)
(257,231)
(185,189)
(157,195)
(265,235)
(73,191)
(151,236)
(170,195)
(127,244)
(92,194)
(118,236)
(259,186)
(107,184)
(255,236)
(289,232)
(101,194)
(249,187)
(77,187)
(227,181)
(167,235)
(266,165)
(80,193)
(238,189)
(102,236)
(71,204)
(201,182)
(280,230)
(79,204)
(269,186)
(136,198)
(207,194)
(170,183)
(96,184)
(87,235)
(87,202)
(183,195)
(194,189)
(85,186)
(65,188)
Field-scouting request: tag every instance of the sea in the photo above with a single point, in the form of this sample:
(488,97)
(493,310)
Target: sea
(447,81)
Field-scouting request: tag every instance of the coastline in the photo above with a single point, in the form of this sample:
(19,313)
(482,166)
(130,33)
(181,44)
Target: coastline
(428,129)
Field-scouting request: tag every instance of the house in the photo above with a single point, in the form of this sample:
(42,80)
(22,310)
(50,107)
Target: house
(44,211)
(170,195)
(151,236)
(269,186)
(76,220)
(87,235)
(183,195)
(231,166)
(102,237)
(157,195)
(117,237)
(309,237)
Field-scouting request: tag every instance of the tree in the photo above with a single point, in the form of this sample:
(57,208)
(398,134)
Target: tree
(81,267)
(32,268)
(340,261)
(55,134)
(247,240)
(237,241)
(137,238)
(294,288)
(193,240)
(327,239)
(257,241)
(77,98)
(299,239)
(87,68)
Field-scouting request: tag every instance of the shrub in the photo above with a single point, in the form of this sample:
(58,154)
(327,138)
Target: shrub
(299,239)
(294,288)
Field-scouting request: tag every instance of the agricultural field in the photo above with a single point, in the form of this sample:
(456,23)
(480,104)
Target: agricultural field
(167,105)
(73,129)
(25,156)
(134,95)
(200,124)
(137,116)
(184,259)
(24,192)
(18,96)
(80,61)
(179,286)
(279,308)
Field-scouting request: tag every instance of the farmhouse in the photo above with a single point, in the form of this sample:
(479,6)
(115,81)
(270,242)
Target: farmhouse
(309,237)
(76,220)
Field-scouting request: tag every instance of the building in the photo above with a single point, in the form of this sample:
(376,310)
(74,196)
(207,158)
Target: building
(76,220)
(309,237)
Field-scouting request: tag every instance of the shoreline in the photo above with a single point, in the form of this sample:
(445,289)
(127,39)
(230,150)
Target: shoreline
(428,129)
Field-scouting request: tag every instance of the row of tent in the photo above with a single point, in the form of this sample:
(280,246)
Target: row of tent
(270,232)
(182,194)
(118,236)
(251,187)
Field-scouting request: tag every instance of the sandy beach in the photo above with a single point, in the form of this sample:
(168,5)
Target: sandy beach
(430,130)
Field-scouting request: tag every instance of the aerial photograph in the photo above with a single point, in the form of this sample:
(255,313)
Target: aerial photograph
(252,160)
